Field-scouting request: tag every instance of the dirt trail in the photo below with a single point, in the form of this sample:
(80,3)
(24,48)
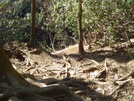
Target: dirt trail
(102,74)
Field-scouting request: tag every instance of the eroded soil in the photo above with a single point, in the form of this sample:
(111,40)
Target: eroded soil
(101,74)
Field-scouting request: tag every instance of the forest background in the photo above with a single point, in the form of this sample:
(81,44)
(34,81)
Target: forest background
(56,21)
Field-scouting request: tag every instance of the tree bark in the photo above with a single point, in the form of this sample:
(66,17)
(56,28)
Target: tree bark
(81,48)
(7,68)
(33,13)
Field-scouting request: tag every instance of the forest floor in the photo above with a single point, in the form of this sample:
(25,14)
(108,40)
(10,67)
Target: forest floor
(101,74)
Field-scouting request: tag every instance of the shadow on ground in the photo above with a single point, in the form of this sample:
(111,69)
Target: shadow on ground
(81,88)
(99,56)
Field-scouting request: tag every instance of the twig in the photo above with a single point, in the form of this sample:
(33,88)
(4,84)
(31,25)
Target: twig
(120,85)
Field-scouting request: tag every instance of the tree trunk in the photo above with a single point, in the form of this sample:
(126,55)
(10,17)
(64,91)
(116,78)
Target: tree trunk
(33,12)
(81,48)
(7,68)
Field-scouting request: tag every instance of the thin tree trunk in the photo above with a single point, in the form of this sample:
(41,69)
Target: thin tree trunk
(33,12)
(81,48)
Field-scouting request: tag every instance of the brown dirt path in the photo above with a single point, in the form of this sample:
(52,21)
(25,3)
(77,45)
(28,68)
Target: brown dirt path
(95,76)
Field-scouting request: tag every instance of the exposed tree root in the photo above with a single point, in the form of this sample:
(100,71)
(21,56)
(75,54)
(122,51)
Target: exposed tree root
(122,83)
(50,92)
(17,86)
(130,74)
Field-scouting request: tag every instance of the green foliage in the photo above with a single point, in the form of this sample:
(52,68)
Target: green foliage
(21,7)
(108,17)
(12,27)
(57,20)
(4,3)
